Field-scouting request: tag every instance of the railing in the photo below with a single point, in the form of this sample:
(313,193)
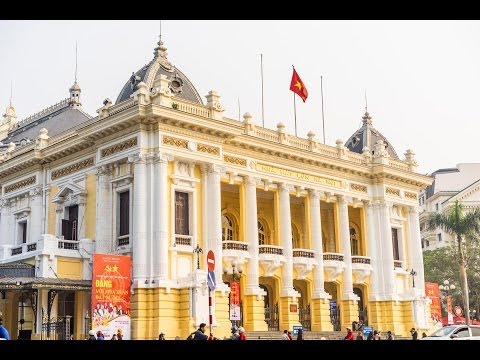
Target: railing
(397,264)
(122,106)
(271,318)
(397,164)
(266,134)
(123,240)
(305,318)
(298,142)
(31,247)
(192,108)
(360,260)
(185,240)
(304,253)
(333,256)
(270,249)
(68,244)
(235,245)
(17,250)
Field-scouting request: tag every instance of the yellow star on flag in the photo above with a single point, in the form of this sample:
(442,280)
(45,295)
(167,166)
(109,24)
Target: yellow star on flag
(299,85)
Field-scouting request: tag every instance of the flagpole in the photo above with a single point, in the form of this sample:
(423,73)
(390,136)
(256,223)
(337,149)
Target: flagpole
(261,72)
(323,116)
(295,113)
(238,109)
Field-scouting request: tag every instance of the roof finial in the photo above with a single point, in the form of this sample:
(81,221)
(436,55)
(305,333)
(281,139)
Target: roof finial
(11,91)
(366,104)
(160,35)
(366,118)
(76,60)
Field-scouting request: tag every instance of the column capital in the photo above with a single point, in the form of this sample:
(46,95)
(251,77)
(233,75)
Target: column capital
(314,193)
(35,192)
(4,203)
(137,158)
(165,157)
(285,187)
(413,210)
(103,170)
(342,199)
(217,169)
(251,180)
(385,204)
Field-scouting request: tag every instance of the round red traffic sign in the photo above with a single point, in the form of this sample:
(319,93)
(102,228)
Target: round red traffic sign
(211,261)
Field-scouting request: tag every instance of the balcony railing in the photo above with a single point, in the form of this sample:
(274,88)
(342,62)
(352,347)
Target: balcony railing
(68,244)
(185,240)
(234,245)
(17,250)
(270,249)
(31,247)
(333,256)
(123,240)
(304,253)
(397,264)
(360,260)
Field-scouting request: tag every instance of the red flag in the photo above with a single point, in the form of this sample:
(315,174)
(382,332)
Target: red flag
(298,87)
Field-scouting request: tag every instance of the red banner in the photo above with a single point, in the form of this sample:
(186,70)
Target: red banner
(111,295)
(433,292)
(235,293)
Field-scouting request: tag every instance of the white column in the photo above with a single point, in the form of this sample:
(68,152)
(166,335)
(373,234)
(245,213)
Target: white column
(5,211)
(416,253)
(160,225)
(46,210)
(82,201)
(372,242)
(285,224)
(316,237)
(215,217)
(331,230)
(139,245)
(103,229)
(347,285)
(59,209)
(387,250)
(251,232)
(35,214)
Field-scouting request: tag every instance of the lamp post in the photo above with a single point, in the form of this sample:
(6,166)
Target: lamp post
(446,287)
(413,273)
(198,250)
(234,301)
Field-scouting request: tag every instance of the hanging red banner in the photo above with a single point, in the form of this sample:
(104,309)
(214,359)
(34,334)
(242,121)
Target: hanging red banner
(433,292)
(235,293)
(111,295)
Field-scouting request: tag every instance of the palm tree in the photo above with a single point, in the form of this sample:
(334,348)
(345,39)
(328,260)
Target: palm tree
(464,226)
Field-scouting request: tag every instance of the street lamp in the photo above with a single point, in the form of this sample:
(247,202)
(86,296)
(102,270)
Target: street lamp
(413,273)
(198,250)
(234,301)
(446,287)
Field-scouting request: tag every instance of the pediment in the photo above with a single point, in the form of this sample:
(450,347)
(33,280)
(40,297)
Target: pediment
(68,189)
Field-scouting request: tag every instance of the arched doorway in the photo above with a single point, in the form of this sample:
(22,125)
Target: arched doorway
(271,310)
(362,309)
(303,304)
(332,289)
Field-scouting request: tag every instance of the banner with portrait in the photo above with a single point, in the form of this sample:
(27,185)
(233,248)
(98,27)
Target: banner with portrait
(433,293)
(234,300)
(111,295)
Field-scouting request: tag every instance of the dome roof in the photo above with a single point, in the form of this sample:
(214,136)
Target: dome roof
(179,84)
(367,136)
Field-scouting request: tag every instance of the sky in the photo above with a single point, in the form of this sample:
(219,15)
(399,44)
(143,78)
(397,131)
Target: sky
(422,78)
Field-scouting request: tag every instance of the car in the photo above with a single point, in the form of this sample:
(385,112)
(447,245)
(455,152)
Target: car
(455,332)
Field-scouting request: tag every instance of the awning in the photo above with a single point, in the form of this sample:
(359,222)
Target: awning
(27,283)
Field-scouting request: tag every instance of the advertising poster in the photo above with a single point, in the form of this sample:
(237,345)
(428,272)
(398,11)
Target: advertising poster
(111,295)
(234,300)
(433,292)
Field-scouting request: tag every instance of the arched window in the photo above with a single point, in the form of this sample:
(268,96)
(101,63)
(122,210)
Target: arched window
(353,241)
(295,237)
(227,228)
(262,233)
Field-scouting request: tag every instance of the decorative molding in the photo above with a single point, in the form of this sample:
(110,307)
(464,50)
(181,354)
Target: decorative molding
(72,168)
(208,149)
(359,188)
(172,141)
(392,191)
(112,150)
(21,184)
(234,160)
(410,195)
(103,170)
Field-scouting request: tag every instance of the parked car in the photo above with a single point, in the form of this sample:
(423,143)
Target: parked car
(456,332)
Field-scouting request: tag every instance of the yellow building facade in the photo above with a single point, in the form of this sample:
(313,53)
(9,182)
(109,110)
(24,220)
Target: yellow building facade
(319,236)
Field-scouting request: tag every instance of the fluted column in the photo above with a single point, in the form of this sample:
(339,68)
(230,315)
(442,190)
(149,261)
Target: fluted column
(82,202)
(331,230)
(316,234)
(5,213)
(251,226)
(416,253)
(347,284)
(286,238)
(139,245)
(58,218)
(387,250)
(215,217)
(160,225)
(372,242)
(35,214)
(103,228)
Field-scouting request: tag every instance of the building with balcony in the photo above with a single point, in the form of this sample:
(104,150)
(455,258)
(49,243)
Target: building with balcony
(326,235)
(459,183)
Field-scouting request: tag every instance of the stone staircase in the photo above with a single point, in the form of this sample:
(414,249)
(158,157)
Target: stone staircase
(307,335)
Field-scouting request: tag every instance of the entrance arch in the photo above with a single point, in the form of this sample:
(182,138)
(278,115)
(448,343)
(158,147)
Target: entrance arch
(362,308)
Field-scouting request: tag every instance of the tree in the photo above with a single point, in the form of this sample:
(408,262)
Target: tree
(464,226)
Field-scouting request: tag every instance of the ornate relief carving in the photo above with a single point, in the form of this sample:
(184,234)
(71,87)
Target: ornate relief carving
(410,195)
(119,147)
(208,149)
(217,169)
(172,141)
(103,170)
(359,188)
(72,168)
(136,158)
(4,203)
(392,191)
(35,192)
(183,168)
(234,160)
(21,184)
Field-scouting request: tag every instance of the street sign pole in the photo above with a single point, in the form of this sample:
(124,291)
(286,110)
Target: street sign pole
(211,284)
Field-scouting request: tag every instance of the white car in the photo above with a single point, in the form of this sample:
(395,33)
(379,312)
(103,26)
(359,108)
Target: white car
(456,332)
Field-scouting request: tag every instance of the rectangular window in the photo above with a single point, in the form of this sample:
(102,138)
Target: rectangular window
(23,232)
(124,213)
(396,253)
(439,237)
(70,225)
(436,207)
(182,225)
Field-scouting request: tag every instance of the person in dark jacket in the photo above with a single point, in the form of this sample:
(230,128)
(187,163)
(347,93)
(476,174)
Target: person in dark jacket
(414,334)
(200,333)
(300,334)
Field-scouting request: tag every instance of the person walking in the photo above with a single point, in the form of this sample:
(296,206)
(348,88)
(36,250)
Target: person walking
(285,335)
(349,335)
(200,333)
(414,333)
(300,334)
(390,335)
(4,335)
(161,336)
(91,335)
(241,331)
(359,335)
